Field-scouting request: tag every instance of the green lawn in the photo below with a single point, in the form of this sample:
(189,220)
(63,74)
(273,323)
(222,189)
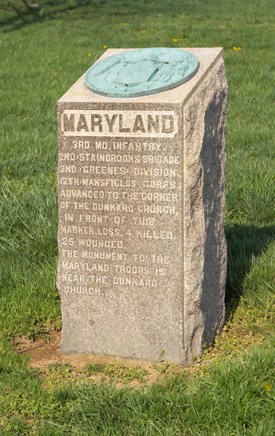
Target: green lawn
(231,391)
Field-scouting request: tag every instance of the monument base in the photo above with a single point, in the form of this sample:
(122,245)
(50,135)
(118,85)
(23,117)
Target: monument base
(141,186)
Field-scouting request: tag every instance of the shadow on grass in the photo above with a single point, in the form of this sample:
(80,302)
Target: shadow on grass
(88,9)
(19,14)
(244,242)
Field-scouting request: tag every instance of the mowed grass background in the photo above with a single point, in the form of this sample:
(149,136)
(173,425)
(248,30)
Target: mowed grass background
(231,388)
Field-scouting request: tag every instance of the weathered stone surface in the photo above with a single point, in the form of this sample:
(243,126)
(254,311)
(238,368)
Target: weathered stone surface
(142,252)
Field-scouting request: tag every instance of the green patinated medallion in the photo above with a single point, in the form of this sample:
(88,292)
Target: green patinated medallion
(140,72)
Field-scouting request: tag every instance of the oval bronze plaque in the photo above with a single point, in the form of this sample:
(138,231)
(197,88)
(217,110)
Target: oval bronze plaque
(140,72)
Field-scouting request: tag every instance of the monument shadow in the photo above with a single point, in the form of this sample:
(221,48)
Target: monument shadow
(244,242)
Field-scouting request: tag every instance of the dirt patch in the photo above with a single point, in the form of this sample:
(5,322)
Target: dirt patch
(45,353)
(42,351)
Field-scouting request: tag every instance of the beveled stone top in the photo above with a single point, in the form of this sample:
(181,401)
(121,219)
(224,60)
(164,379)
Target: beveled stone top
(207,58)
(146,71)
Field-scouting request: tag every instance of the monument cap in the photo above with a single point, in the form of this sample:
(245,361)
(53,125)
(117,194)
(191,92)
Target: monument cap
(140,72)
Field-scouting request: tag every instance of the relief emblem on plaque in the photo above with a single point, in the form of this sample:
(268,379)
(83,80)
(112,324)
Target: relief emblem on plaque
(141,72)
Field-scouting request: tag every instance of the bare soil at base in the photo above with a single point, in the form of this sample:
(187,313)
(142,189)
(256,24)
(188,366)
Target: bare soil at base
(45,352)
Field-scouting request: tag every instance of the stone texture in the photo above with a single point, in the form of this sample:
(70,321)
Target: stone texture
(144,279)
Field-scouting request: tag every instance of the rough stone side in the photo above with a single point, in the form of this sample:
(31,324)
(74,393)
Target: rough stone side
(205,254)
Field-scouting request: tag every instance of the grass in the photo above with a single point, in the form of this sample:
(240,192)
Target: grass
(231,389)
(116,371)
(235,397)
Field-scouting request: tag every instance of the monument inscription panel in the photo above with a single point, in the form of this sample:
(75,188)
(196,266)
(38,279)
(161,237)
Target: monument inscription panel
(120,177)
(142,254)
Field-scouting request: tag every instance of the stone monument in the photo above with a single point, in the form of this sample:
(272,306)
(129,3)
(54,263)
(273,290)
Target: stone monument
(141,194)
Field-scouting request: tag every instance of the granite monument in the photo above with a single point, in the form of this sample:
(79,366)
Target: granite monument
(141,194)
